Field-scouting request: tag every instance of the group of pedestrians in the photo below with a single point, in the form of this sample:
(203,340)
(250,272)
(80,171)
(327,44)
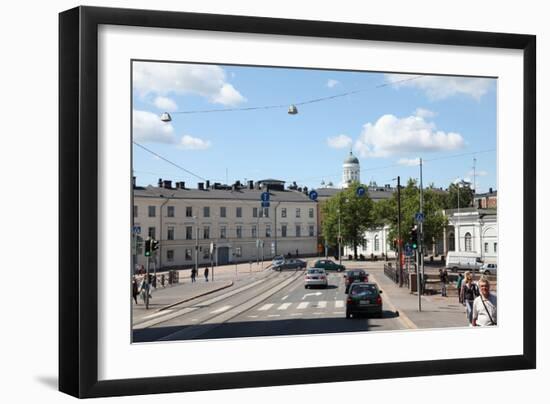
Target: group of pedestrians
(194,274)
(481,304)
(143,287)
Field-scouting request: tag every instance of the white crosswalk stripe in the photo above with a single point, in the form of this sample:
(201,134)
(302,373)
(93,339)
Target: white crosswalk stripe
(339,304)
(224,308)
(302,305)
(284,306)
(321,304)
(266,307)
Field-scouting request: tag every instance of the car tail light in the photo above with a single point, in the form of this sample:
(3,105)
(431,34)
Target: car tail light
(349,300)
(307,277)
(378,300)
(323,277)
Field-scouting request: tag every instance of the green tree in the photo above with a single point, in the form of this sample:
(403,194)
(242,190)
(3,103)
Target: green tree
(459,192)
(433,204)
(353,214)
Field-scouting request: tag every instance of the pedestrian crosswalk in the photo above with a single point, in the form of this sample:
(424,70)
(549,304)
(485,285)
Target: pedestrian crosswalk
(292,309)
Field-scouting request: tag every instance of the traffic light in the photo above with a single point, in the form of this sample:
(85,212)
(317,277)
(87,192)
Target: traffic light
(148,247)
(413,236)
(154,245)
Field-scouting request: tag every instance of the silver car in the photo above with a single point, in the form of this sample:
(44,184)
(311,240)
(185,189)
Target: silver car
(488,269)
(316,277)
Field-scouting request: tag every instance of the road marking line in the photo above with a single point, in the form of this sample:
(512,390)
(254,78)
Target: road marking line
(284,306)
(296,314)
(252,316)
(224,308)
(303,305)
(273,315)
(338,312)
(321,304)
(339,304)
(284,298)
(266,307)
(156,314)
(318,313)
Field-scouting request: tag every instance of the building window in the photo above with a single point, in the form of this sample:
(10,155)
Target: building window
(206,211)
(206,232)
(451,242)
(297,212)
(170,211)
(239,212)
(223,211)
(376,243)
(238,252)
(170,235)
(151,233)
(311,213)
(189,232)
(265,212)
(188,256)
(283,212)
(223,231)
(169,255)
(468,242)
(239,232)
(283,230)
(135,211)
(486,247)
(311,230)
(206,253)
(254,212)
(268,230)
(495,247)
(188,211)
(298,230)
(152,211)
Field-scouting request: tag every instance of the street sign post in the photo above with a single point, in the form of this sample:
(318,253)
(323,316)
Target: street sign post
(313,195)
(265,204)
(136,230)
(419,217)
(265,197)
(360,191)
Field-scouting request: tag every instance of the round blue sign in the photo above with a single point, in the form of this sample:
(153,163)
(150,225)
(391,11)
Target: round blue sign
(360,191)
(313,195)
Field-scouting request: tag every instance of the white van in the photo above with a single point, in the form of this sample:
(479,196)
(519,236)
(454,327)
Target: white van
(463,261)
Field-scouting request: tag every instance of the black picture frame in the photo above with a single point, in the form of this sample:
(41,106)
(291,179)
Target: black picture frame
(78,200)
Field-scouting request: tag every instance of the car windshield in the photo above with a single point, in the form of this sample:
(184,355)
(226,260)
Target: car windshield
(356,273)
(363,290)
(315,271)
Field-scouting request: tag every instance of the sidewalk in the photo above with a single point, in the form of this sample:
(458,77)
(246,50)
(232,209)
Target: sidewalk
(436,311)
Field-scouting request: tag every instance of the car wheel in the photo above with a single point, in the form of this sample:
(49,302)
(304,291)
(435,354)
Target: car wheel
(339,269)
(348,314)
(307,286)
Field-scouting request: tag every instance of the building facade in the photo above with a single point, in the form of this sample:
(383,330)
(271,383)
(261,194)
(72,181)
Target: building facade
(227,221)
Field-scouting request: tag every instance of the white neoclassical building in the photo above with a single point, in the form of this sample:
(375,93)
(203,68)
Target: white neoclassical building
(188,221)
(351,170)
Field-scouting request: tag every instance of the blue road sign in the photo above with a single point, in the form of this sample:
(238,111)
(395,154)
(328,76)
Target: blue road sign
(313,195)
(137,230)
(265,204)
(419,217)
(360,191)
(408,250)
(265,197)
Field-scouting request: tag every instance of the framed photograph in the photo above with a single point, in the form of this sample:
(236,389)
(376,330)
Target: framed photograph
(250,201)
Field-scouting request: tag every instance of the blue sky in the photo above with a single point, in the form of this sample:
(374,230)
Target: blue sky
(389,121)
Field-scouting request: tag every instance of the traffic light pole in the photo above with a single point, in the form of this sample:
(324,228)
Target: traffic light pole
(147,286)
(399,249)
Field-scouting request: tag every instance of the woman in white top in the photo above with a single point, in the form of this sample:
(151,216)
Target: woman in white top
(484,311)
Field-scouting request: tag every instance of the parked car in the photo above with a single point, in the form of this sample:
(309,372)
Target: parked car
(488,269)
(278,260)
(364,298)
(355,275)
(315,277)
(329,265)
(290,264)
(463,261)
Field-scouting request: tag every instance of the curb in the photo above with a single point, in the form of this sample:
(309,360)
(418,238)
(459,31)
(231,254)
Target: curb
(195,297)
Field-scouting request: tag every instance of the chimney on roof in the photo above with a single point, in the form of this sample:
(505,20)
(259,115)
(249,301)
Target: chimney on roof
(305,190)
(250,184)
(180,185)
(167,184)
(201,186)
(490,190)
(207,184)
(160,183)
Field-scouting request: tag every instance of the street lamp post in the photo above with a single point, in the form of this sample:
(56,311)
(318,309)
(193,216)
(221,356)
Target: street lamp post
(196,245)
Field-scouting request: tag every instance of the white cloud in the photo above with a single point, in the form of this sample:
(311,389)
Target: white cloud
(441,87)
(194,143)
(174,78)
(409,162)
(165,104)
(391,135)
(339,142)
(424,113)
(332,83)
(147,127)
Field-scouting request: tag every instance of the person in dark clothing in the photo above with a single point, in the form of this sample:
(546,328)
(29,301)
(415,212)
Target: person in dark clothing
(468,293)
(444,278)
(206,274)
(135,289)
(193,275)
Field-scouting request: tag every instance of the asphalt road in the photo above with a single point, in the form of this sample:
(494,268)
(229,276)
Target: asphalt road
(266,304)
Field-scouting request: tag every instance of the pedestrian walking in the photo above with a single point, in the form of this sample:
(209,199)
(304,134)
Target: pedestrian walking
(484,312)
(296,253)
(135,289)
(162,280)
(469,291)
(193,275)
(459,285)
(444,279)
(206,274)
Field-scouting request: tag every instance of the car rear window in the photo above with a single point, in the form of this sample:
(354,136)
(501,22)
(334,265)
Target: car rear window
(315,271)
(363,290)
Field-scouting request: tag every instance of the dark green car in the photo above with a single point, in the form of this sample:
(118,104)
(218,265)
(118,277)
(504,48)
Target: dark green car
(329,265)
(364,298)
